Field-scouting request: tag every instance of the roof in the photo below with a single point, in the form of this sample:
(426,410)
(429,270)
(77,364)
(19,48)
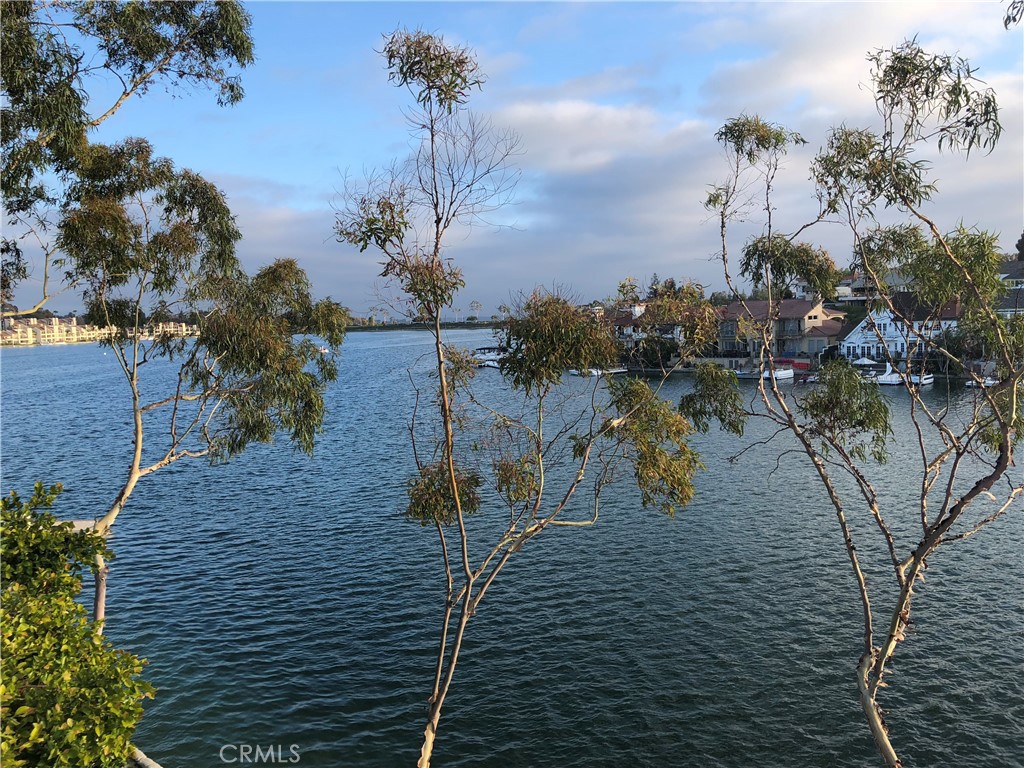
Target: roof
(1013,301)
(908,307)
(1012,270)
(789,309)
(847,329)
(828,329)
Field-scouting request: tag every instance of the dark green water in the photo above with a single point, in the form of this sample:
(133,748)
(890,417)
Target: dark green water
(283,601)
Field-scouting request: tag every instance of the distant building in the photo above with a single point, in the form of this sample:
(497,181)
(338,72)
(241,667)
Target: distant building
(31,331)
(902,331)
(1012,274)
(802,328)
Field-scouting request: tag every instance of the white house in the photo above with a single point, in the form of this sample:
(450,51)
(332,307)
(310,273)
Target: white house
(1012,274)
(902,332)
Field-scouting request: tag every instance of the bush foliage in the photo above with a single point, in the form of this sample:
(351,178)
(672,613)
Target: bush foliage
(67,697)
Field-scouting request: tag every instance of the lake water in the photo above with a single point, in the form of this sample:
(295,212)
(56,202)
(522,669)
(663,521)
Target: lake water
(283,601)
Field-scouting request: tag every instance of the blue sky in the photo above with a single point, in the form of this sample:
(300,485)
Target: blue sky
(616,105)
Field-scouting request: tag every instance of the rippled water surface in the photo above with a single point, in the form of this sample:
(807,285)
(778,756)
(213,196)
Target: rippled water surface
(282,600)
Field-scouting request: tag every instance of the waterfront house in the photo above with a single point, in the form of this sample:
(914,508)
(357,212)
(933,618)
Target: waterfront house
(900,331)
(801,328)
(1012,303)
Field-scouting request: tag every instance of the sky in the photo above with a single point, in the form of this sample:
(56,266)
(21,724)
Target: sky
(616,106)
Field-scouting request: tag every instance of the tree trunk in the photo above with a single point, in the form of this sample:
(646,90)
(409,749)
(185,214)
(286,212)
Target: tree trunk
(102,527)
(100,595)
(874,715)
(427,749)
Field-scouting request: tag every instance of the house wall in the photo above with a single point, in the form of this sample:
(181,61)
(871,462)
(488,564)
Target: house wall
(888,333)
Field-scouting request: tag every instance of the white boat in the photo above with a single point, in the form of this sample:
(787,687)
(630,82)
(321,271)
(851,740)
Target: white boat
(984,383)
(597,371)
(488,357)
(782,373)
(898,378)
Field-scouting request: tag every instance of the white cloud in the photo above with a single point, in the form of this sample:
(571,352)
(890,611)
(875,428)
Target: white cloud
(577,135)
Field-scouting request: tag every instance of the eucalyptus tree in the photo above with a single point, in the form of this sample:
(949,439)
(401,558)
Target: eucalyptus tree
(472,458)
(58,61)
(140,232)
(870,181)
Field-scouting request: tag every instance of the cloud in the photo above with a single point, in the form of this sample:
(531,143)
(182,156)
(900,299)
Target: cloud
(578,135)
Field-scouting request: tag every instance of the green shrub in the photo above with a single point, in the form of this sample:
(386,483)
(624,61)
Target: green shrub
(67,697)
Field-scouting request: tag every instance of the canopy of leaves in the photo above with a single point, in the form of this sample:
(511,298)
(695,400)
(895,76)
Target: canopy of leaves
(677,321)
(856,168)
(40,552)
(430,494)
(548,336)
(962,266)
(920,96)
(751,137)
(436,72)
(915,89)
(52,53)
(140,231)
(67,699)
(53,50)
(516,478)
(656,438)
(432,283)
(134,220)
(246,356)
(847,412)
(777,261)
(379,219)
(715,396)
(881,250)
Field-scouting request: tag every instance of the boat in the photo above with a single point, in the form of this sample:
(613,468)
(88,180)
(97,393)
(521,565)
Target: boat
(488,357)
(984,383)
(897,378)
(782,373)
(598,371)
